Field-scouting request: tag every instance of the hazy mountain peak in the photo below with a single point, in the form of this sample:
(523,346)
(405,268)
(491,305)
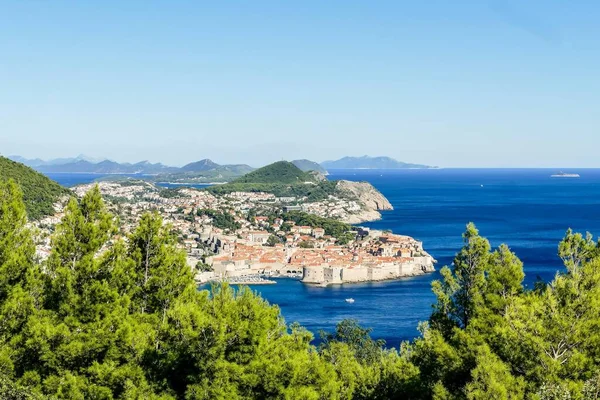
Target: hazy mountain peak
(83,157)
(202,165)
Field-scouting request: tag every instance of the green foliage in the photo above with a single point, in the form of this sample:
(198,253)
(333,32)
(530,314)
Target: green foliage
(461,292)
(159,270)
(306,245)
(492,379)
(10,390)
(202,267)
(17,250)
(106,318)
(220,219)
(39,192)
(357,338)
(272,241)
(491,338)
(278,172)
(283,179)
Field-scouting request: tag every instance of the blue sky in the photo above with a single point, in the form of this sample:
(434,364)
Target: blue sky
(497,83)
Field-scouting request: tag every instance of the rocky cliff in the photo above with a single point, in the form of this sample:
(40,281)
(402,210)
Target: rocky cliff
(370,199)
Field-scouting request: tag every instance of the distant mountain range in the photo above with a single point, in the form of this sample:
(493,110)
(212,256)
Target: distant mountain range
(83,164)
(200,171)
(106,167)
(366,162)
(36,162)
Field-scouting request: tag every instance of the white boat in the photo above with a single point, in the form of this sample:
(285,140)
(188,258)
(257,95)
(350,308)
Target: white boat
(350,300)
(564,175)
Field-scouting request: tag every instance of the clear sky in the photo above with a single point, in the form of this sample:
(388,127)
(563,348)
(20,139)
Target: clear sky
(501,83)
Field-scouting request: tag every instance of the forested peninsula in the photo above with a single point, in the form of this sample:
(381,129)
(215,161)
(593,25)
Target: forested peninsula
(112,316)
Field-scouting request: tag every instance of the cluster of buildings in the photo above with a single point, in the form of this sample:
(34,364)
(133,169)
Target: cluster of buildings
(248,252)
(334,208)
(372,256)
(376,257)
(262,245)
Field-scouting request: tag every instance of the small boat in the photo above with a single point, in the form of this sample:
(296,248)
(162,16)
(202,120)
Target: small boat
(564,175)
(350,300)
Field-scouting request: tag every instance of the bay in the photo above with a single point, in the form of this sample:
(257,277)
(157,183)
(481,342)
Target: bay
(523,208)
(69,179)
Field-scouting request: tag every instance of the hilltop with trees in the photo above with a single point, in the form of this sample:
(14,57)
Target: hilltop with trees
(283,179)
(279,172)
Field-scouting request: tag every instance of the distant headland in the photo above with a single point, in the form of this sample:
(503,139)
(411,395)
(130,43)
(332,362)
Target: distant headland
(366,162)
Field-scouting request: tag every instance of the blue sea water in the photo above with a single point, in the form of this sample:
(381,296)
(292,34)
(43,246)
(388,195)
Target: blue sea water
(69,179)
(523,208)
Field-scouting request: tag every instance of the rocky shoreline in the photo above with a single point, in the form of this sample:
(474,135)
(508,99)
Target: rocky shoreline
(371,200)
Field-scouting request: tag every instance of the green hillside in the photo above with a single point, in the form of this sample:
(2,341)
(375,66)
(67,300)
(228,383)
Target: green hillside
(279,172)
(39,192)
(283,179)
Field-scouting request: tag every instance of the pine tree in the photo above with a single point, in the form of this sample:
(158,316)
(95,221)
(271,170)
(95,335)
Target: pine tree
(17,250)
(460,293)
(159,267)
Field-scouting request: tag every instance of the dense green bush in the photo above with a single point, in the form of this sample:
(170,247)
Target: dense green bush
(107,318)
(279,172)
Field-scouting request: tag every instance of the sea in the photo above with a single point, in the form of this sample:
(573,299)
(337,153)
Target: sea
(523,208)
